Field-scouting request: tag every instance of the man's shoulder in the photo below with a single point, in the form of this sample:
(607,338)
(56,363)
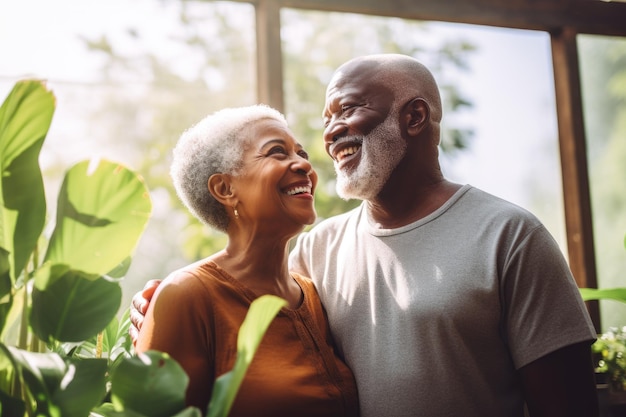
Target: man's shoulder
(495,214)
(494,204)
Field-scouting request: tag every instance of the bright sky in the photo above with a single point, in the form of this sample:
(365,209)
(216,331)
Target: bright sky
(40,36)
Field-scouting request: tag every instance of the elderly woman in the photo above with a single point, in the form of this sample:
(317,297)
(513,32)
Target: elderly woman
(242,172)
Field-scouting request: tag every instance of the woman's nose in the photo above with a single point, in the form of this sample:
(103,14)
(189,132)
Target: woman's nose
(303,166)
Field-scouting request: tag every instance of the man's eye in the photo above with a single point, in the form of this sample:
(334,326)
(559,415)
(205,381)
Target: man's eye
(347,107)
(303,154)
(344,108)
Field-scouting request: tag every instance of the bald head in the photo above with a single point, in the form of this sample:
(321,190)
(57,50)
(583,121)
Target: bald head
(404,77)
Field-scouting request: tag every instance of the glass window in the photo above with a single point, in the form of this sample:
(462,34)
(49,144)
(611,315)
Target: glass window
(603,78)
(499,130)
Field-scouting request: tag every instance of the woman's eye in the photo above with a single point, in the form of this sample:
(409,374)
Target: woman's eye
(303,154)
(277,150)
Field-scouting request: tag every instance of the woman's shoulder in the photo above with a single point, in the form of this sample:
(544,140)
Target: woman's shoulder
(190,279)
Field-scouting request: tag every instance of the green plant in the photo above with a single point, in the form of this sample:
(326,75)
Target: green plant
(63,351)
(616,294)
(611,351)
(60,291)
(610,347)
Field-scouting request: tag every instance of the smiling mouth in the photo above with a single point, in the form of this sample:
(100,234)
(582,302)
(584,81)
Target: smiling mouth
(300,189)
(346,152)
(345,147)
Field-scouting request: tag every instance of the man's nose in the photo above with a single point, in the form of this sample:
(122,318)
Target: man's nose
(334,131)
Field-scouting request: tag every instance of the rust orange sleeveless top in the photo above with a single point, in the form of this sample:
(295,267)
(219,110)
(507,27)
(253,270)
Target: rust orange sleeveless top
(195,316)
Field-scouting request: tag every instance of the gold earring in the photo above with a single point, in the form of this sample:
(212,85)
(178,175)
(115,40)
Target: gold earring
(236,212)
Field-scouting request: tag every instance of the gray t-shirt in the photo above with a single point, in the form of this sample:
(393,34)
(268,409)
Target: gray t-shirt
(435,317)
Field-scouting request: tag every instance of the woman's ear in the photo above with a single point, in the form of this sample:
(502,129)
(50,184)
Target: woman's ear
(220,187)
(416,115)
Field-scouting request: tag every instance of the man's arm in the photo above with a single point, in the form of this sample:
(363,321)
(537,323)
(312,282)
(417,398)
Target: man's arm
(139,306)
(561,383)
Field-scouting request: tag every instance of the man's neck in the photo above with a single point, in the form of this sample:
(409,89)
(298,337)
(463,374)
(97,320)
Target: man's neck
(398,209)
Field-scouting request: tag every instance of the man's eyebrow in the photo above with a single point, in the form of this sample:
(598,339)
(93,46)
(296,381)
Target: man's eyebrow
(335,101)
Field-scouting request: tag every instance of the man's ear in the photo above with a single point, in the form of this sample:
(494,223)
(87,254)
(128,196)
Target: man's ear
(416,115)
(220,187)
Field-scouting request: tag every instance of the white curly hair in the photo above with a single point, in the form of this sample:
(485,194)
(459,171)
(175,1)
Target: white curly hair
(213,145)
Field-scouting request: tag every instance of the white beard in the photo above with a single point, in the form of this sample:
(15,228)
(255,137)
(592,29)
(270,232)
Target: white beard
(383,149)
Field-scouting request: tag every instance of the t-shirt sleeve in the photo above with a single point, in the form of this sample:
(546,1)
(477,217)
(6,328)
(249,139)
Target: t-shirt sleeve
(543,307)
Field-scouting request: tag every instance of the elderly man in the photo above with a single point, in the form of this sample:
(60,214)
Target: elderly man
(443,299)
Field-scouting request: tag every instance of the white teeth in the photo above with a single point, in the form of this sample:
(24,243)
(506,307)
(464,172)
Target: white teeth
(351,150)
(299,190)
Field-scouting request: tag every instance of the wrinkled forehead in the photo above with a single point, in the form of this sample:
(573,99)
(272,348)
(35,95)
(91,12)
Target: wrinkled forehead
(254,134)
(360,80)
(354,71)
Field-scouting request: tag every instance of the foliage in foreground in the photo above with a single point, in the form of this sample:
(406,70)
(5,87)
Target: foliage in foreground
(610,347)
(63,351)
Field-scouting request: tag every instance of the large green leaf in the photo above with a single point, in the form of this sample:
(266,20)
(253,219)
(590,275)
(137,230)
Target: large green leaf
(102,210)
(60,388)
(10,406)
(108,410)
(151,383)
(25,118)
(71,306)
(261,313)
(617,294)
(82,388)
(39,374)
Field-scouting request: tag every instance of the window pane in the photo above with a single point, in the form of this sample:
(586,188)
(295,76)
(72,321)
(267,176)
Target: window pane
(603,75)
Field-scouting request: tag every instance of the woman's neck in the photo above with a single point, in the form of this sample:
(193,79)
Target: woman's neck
(262,267)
